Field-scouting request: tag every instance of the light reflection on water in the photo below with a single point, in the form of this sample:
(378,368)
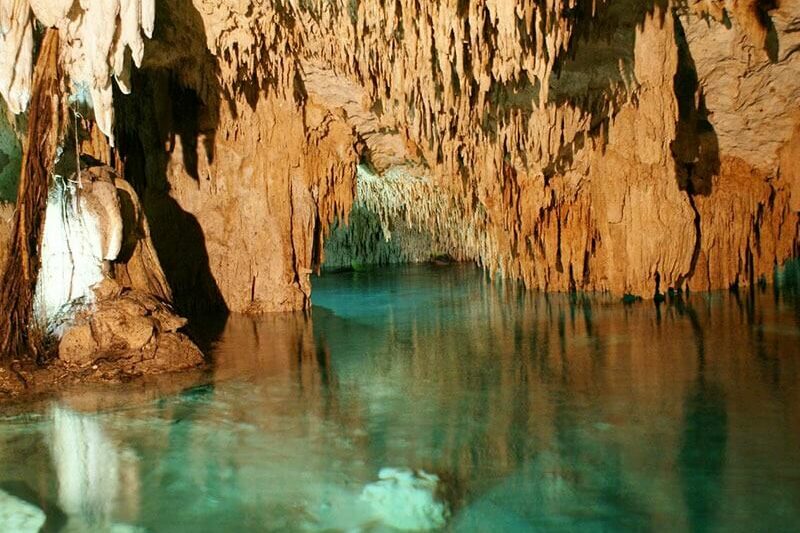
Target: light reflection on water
(537,412)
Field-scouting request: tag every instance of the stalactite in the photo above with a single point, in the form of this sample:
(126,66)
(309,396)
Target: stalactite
(100,40)
(362,243)
(16,53)
(541,139)
(520,134)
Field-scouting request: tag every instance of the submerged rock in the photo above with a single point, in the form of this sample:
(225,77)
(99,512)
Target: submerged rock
(19,516)
(407,500)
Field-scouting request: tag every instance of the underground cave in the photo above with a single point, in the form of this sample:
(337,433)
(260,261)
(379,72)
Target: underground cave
(554,250)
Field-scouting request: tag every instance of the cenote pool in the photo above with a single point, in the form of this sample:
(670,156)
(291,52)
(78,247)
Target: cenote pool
(536,413)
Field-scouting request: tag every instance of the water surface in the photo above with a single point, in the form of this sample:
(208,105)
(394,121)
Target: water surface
(538,413)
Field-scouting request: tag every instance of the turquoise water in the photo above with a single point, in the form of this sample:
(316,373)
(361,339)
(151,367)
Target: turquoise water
(537,413)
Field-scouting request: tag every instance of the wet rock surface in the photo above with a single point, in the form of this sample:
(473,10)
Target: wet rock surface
(131,329)
(19,516)
(630,147)
(106,315)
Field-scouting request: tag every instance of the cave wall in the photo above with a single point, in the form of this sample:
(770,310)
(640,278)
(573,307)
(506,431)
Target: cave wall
(10,157)
(236,212)
(627,146)
(10,162)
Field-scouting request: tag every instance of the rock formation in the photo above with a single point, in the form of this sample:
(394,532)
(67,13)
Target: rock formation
(101,39)
(19,515)
(130,329)
(101,289)
(101,292)
(628,146)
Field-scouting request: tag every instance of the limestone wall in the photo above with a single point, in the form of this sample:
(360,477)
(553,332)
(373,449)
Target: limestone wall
(622,146)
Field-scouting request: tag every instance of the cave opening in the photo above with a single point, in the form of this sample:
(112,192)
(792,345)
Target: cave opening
(363,242)
(382,229)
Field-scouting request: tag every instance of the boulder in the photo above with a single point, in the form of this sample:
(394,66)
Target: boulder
(19,516)
(129,329)
(407,500)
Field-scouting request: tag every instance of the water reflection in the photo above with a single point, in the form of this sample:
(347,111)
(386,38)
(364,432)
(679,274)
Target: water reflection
(580,406)
(701,459)
(97,481)
(536,412)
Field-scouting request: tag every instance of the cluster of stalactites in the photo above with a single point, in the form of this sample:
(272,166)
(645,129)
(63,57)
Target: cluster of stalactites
(404,194)
(433,66)
(361,242)
(100,39)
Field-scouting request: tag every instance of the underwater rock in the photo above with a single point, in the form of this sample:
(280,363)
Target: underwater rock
(19,516)
(407,500)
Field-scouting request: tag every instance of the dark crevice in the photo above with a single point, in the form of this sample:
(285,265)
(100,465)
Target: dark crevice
(771,44)
(695,149)
(176,100)
(697,245)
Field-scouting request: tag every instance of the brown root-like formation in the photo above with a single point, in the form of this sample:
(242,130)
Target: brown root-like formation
(18,333)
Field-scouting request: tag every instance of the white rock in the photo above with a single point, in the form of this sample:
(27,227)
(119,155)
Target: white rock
(98,38)
(81,230)
(16,54)
(19,516)
(406,500)
(50,12)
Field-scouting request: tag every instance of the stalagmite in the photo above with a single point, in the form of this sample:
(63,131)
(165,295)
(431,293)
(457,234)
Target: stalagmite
(101,293)
(59,283)
(83,230)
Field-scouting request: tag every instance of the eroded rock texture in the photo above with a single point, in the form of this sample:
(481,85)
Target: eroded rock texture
(625,146)
(130,329)
(101,39)
(102,294)
(629,146)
